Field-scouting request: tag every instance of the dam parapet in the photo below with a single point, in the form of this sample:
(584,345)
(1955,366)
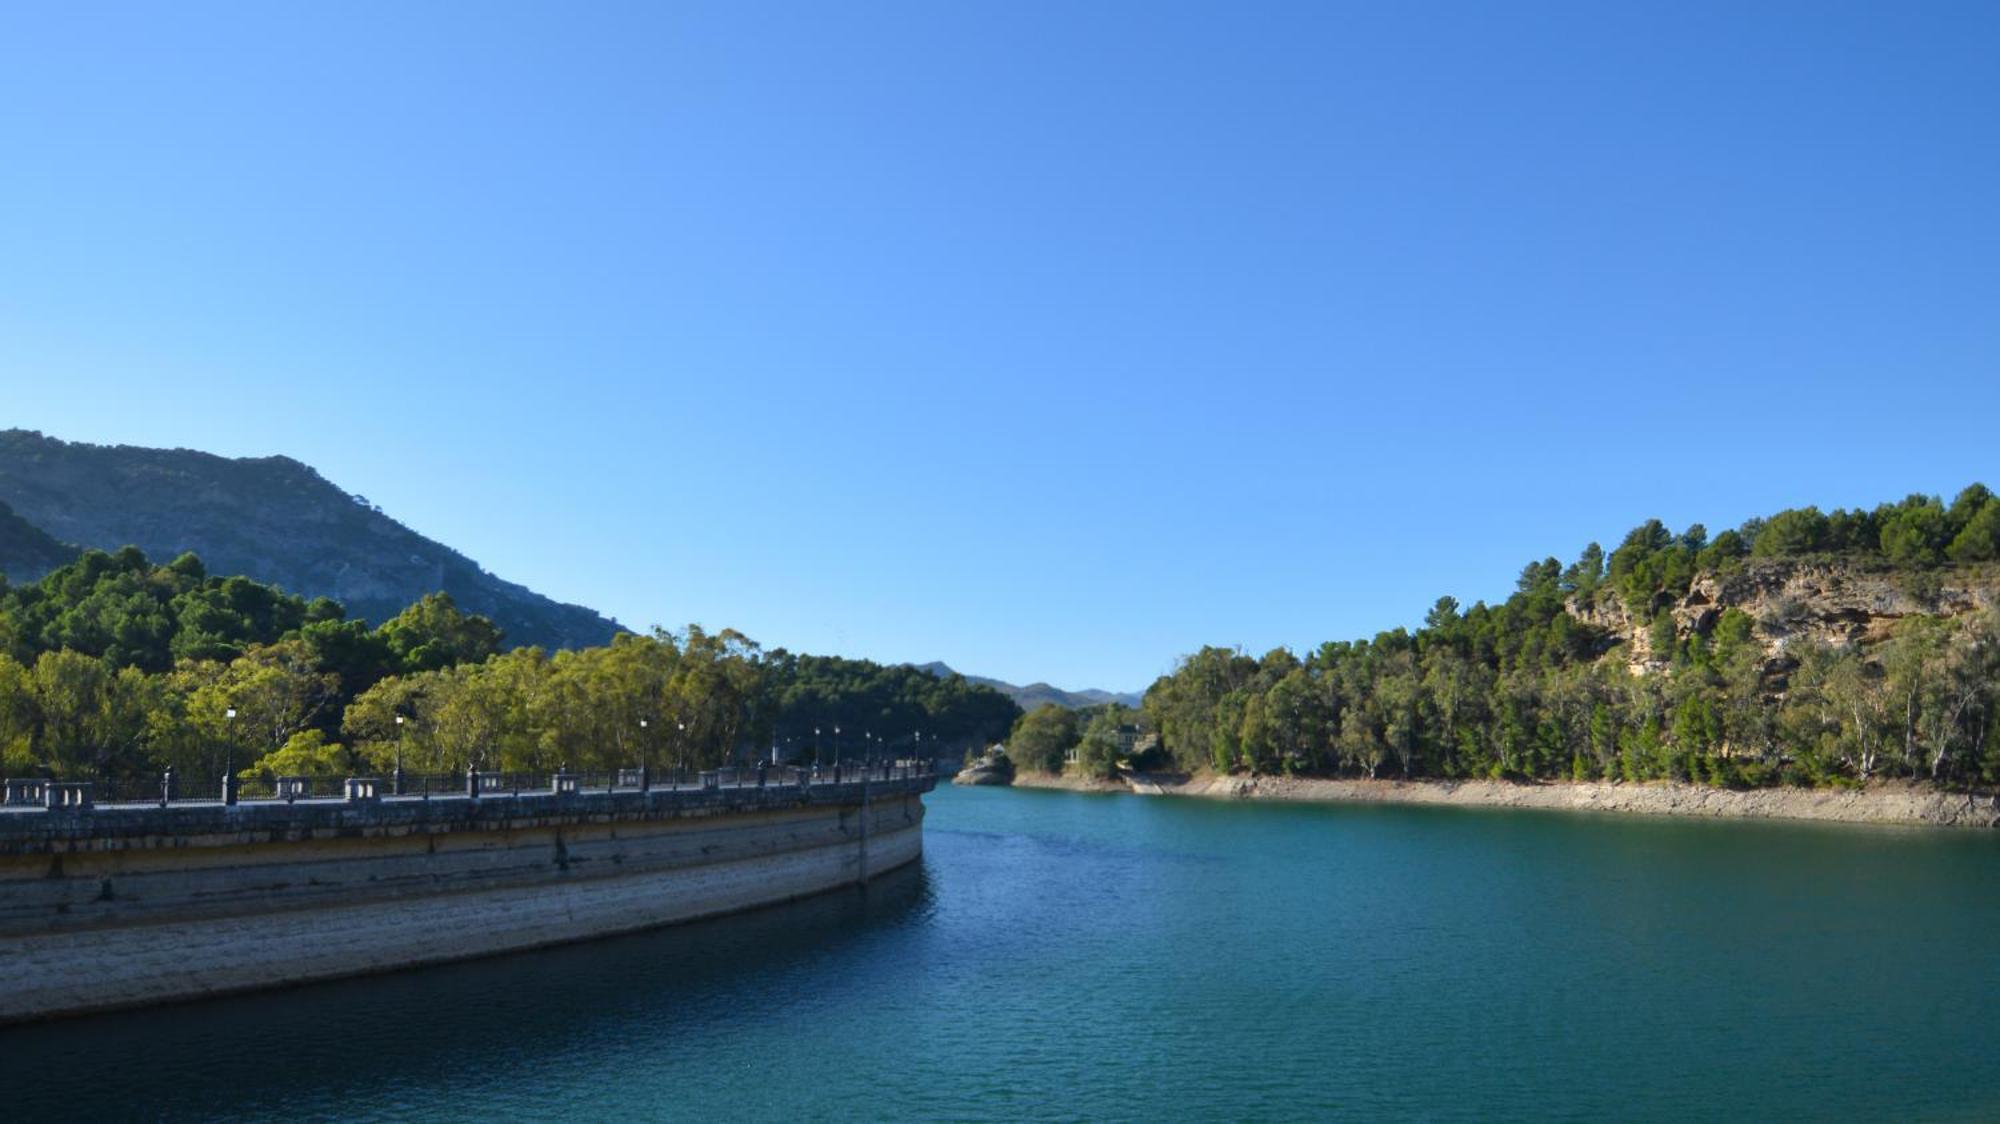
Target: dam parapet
(118,904)
(42,817)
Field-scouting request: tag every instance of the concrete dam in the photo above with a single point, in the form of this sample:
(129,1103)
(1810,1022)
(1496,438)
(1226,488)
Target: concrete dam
(109,906)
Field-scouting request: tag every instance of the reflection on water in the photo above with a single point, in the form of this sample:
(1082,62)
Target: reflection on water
(363,1045)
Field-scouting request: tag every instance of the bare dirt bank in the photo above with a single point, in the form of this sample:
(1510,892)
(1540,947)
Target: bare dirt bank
(1026,779)
(1880,803)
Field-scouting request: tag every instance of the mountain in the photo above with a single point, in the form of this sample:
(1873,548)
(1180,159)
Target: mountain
(1036,694)
(269,518)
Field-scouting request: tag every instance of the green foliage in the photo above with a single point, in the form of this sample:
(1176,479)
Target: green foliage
(1100,749)
(1665,637)
(1652,565)
(1979,539)
(1728,548)
(130,613)
(1915,533)
(1799,531)
(1584,575)
(433,634)
(112,669)
(305,754)
(1042,738)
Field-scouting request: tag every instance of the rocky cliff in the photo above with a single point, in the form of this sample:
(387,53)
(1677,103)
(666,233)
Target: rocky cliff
(269,518)
(1792,601)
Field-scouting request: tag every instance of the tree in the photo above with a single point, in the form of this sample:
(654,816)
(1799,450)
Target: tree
(1915,533)
(90,716)
(1586,572)
(17,718)
(1360,746)
(433,634)
(1396,698)
(276,690)
(1099,750)
(305,754)
(1444,614)
(1856,690)
(1979,541)
(1296,709)
(1042,738)
(1794,532)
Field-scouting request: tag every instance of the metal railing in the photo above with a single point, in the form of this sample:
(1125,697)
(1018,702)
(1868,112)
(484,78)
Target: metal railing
(172,788)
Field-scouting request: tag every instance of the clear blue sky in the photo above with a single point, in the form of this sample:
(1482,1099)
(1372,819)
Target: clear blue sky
(1050,339)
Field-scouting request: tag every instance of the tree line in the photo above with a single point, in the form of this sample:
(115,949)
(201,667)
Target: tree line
(1050,738)
(114,669)
(1525,689)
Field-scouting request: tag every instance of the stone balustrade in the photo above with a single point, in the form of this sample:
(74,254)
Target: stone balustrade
(25,798)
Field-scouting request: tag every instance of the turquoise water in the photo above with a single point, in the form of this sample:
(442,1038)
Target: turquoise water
(1064,956)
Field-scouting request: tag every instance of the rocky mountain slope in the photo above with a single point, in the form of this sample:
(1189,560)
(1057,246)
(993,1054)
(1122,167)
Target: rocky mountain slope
(1039,694)
(269,518)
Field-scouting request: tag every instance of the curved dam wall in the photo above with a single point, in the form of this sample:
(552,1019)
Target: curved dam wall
(128,906)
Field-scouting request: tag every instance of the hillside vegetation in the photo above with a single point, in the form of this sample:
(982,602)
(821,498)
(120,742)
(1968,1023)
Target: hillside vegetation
(113,668)
(269,518)
(27,549)
(1808,648)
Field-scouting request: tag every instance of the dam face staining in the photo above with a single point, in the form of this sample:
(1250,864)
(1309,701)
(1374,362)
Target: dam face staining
(112,906)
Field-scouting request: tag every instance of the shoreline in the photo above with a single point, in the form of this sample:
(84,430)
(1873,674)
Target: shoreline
(1882,802)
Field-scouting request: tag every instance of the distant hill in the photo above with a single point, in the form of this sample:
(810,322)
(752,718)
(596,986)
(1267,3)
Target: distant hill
(269,518)
(26,550)
(1035,694)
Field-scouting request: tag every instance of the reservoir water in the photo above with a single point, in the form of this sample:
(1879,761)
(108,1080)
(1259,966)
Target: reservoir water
(1064,956)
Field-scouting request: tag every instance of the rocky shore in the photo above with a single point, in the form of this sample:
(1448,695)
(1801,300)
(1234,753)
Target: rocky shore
(1887,802)
(1070,783)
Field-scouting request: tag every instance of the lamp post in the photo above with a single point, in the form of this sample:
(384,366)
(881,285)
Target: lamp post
(396,780)
(229,758)
(680,742)
(645,762)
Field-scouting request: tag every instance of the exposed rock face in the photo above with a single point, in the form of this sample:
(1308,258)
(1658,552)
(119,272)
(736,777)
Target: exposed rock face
(269,518)
(994,768)
(1792,602)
